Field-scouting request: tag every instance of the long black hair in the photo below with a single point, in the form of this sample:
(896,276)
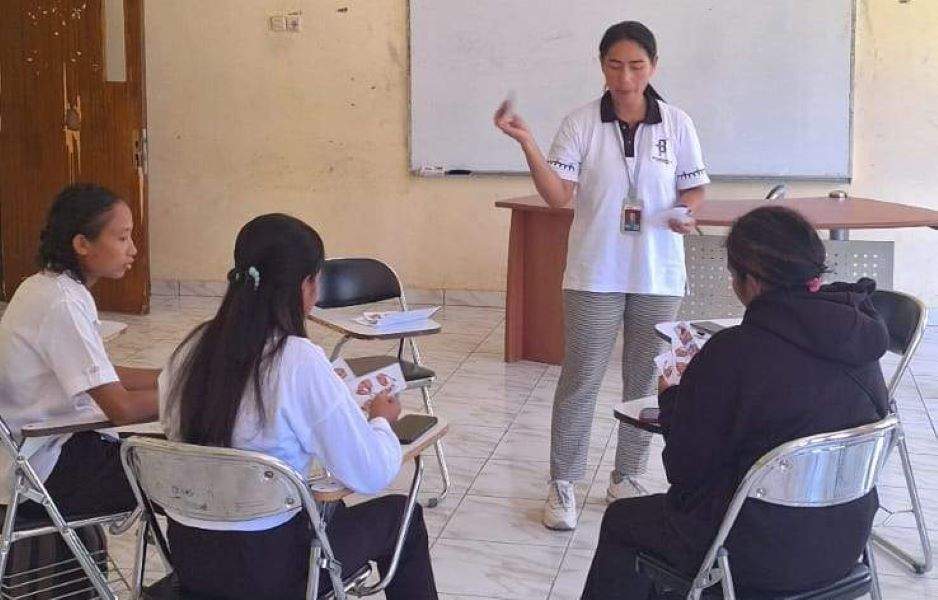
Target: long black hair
(777,246)
(263,305)
(79,209)
(635,32)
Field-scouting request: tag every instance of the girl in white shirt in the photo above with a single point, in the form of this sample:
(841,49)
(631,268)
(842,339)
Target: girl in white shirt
(52,358)
(635,165)
(250,379)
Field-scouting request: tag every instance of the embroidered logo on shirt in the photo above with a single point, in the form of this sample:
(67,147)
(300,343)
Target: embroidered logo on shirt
(662,156)
(560,165)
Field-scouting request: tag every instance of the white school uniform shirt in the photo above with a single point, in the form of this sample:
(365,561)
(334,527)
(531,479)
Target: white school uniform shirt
(311,416)
(51,353)
(590,149)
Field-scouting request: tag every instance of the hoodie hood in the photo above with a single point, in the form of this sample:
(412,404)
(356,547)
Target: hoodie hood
(837,323)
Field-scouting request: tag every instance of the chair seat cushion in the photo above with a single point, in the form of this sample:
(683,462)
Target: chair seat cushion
(853,585)
(412,372)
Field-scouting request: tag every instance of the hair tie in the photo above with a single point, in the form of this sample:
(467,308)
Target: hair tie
(813,284)
(254,274)
(237,275)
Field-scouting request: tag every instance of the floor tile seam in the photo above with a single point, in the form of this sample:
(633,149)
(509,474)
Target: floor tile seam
(444,538)
(563,559)
(921,397)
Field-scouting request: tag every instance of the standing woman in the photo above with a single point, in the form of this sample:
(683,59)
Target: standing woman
(636,167)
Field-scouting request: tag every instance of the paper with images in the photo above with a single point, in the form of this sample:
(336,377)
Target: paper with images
(684,346)
(393,318)
(366,386)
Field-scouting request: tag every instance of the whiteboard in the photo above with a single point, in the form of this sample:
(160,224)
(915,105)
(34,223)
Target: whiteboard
(767,83)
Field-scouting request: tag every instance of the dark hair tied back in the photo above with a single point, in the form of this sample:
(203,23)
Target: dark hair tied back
(777,246)
(263,306)
(79,209)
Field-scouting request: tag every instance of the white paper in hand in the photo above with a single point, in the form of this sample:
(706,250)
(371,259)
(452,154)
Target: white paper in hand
(684,347)
(667,368)
(389,379)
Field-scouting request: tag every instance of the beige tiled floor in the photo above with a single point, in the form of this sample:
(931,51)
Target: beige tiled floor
(487,540)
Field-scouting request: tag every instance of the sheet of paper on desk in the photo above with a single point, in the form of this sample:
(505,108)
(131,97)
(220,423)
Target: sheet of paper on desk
(364,387)
(393,318)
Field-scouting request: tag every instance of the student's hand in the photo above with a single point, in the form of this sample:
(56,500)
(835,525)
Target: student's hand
(662,384)
(384,405)
(511,124)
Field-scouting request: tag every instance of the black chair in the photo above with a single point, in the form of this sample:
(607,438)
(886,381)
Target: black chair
(811,472)
(905,318)
(349,282)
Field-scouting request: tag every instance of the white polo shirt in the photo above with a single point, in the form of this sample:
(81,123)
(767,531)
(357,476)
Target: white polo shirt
(591,148)
(311,416)
(51,353)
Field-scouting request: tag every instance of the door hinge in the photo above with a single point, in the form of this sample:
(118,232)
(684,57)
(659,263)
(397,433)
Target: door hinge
(141,154)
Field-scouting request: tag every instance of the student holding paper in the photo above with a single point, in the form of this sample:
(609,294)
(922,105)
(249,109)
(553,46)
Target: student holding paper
(631,166)
(804,361)
(250,378)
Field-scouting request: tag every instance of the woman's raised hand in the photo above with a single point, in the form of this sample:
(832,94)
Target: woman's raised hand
(512,124)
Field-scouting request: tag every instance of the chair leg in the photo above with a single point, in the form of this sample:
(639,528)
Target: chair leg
(312,580)
(875,591)
(925,564)
(729,593)
(140,557)
(440,455)
(8,518)
(87,563)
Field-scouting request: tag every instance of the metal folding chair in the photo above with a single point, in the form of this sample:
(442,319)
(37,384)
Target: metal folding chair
(811,472)
(905,318)
(225,484)
(348,282)
(87,574)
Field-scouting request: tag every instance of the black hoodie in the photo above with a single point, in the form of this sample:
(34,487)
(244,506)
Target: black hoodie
(800,363)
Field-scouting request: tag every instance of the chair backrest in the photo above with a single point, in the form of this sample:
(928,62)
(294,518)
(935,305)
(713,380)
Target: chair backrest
(354,281)
(822,470)
(215,484)
(905,318)
(811,472)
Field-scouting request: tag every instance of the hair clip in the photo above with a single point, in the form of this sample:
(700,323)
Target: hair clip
(254,274)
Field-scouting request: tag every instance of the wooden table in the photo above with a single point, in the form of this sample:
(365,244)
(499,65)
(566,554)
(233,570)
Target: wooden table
(537,254)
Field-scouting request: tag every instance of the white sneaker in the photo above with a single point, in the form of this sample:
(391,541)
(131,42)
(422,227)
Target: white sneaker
(629,487)
(560,508)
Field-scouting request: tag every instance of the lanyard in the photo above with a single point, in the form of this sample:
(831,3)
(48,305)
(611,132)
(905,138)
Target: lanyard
(631,174)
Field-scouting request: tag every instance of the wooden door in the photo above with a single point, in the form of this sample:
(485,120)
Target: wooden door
(71,109)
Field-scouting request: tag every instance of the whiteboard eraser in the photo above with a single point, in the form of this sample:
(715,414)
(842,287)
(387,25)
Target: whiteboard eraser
(431,171)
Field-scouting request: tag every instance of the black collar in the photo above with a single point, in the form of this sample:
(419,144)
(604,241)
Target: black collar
(607,112)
